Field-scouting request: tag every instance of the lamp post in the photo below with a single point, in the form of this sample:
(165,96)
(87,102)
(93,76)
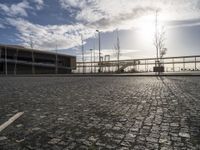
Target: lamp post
(94,48)
(157,62)
(33,59)
(82,49)
(91,59)
(101,60)
(156,35)
(94,61)
(99,50)
(6,61)
(56,57)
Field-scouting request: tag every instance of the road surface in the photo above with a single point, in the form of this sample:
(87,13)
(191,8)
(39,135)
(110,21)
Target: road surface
(100,113)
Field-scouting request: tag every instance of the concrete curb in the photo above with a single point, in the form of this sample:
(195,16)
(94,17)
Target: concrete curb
(99,75)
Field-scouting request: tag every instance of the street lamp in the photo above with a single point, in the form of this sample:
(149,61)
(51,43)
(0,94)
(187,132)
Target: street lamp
(56,57)
(6,61)
(82,48)
(99,50)
(94,61)
(33,59)
(91,60)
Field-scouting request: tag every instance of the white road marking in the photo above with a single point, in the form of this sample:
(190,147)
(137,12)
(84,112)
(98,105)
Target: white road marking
(10,121)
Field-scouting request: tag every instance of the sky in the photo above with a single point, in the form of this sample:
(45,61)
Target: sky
(52,24)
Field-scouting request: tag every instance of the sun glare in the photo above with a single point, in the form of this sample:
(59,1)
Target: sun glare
(147,29)
(146,26)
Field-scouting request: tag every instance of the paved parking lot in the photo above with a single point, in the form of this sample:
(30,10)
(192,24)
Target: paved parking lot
(100,113)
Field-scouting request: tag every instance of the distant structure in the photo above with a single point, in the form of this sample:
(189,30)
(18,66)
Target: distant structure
(20,60)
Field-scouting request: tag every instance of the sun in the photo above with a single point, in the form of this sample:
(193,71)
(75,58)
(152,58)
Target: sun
(147,30)
(146,26)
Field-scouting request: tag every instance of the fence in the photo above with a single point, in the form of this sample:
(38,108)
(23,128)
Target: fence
(171,64)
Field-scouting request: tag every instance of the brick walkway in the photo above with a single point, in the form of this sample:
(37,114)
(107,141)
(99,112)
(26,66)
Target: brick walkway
(101,113)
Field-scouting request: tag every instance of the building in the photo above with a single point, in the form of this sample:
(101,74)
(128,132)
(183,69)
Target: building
(21,60)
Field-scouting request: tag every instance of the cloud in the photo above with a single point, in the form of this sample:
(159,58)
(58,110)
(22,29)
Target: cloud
(89,15)
(73,3)
(39,4)
(47,37)
(19,9)
(121,21)
(184,23)
(109,14)
(64,36)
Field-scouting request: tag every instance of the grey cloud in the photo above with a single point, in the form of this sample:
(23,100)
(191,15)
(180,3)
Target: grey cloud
(122,17)
(183,23)
(108,13)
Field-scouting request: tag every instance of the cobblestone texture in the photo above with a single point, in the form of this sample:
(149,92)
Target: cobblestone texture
(101,113)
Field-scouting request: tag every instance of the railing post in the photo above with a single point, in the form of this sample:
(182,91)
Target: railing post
(16,55)
(0,53)
(195,63)
(173,64)
(56,64)
(145,65)
(1,60)
(183,64)
(6,65)
(33,61)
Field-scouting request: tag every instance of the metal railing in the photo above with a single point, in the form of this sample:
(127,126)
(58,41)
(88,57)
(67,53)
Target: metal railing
(171,64)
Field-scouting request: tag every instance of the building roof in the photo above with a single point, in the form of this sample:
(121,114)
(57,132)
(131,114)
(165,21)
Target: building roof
(19,47)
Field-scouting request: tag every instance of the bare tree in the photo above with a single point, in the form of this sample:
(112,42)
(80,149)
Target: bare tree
(159,41)
(163,52)
(118,51)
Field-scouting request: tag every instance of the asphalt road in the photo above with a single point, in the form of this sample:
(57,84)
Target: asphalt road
(100,113)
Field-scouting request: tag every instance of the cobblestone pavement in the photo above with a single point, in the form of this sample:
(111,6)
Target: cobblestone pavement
(101,113)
